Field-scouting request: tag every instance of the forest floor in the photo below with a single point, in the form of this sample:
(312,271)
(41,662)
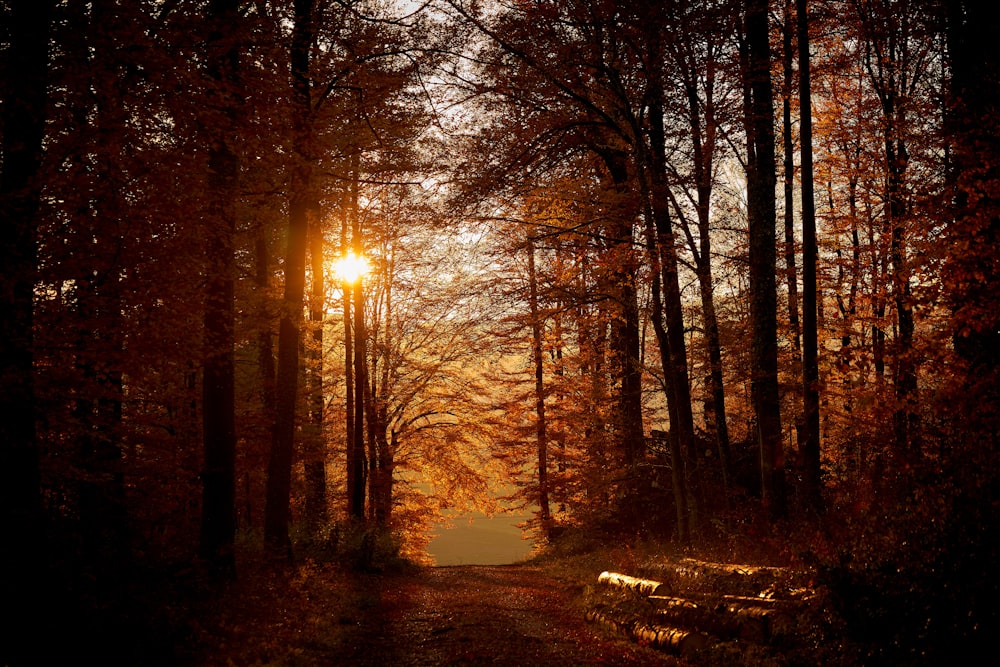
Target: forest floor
(581,601)
(498,615)
(534,613)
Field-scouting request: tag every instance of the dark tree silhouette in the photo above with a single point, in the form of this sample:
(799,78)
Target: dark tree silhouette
(279,471)
(218,520)
(21,519)
(761,181)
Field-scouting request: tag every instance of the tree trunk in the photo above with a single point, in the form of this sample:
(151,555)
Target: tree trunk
(218,526)
(357,499)
(678,473)
(676,371)
(761,182)
(541,435)
(265,343)
(697,77)
(21,520)
(350,213)
(654,240)
(277,514)
(791,275)
(383,460)
(316,513)
(809,445)
(624,338)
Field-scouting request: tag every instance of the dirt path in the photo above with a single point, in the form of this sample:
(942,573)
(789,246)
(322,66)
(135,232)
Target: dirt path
(496,615)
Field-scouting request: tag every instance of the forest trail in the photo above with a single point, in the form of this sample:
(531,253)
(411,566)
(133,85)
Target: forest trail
(497,615)
(676,612)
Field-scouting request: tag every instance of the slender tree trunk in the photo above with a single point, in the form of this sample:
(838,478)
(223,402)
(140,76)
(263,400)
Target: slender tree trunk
(541,434)
(905,419)
(384,461)
(316,513)
(677,369)
(678,463)
(809,445)
(667,316)
(357,499)
(372,439)
(264,324)
(703,129)
(559,423)
(277,514)
(761,181)
(350,213)
(791,275)
(669,262)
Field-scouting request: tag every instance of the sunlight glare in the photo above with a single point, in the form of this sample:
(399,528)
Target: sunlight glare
(351,267)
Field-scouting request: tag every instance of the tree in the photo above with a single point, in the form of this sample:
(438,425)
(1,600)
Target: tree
(971,274)
(695,47)
(23,124)
(277,515)
(896,53)
(541,432)
(761,181)
(360,362)
(597,106)
(665,262)
(219,420)
(809,443)
(316,513)
(788,30)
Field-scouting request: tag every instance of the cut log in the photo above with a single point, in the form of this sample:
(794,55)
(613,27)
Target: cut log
(715,620)
(766,622)
(789,606)
(674,640)
(724,618)
(670,602)
(634,584)
(665,638)
(691,574)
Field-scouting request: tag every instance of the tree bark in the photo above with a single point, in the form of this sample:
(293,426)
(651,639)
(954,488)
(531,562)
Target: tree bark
(624,337)
(277,515)
(809,443)
(761,181)
(316,511)
(360,468)
(791,274)
(666,261)
(352,472)
(541,434)
(218,526)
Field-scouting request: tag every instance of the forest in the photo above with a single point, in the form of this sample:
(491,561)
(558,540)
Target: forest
(286,280)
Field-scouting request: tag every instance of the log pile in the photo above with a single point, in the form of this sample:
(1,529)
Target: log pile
(689,606)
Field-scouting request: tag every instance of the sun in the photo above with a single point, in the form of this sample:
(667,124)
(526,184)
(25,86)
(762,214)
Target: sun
(351,267)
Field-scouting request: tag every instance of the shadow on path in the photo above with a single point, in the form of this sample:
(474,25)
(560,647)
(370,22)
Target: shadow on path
(495,615)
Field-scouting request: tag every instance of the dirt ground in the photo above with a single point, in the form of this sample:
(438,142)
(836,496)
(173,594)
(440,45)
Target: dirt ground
(482,615)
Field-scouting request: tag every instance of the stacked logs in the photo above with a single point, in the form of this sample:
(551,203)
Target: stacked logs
(699,604)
